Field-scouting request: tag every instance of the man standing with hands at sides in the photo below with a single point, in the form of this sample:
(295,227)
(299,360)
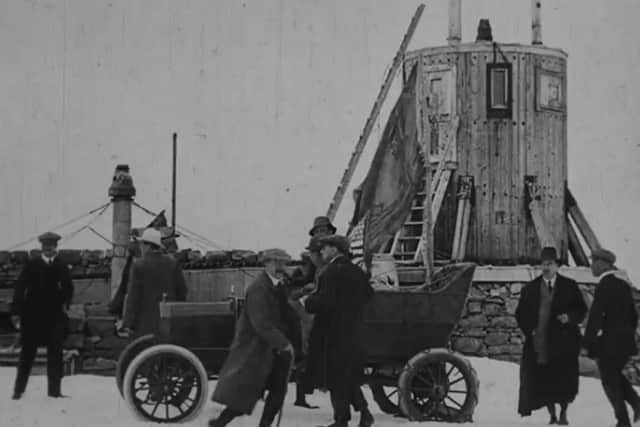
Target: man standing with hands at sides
(610,334)
(336,356)
(41,298)
(549,312)
(266,340)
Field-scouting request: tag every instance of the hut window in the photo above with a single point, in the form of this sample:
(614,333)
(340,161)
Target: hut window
(499,90)
(550,91)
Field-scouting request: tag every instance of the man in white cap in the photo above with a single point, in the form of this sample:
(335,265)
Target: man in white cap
(263,349)
(153,277)
(610,336)
(42,295)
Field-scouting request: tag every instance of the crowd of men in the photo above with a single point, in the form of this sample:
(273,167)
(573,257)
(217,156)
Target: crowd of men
(311,322)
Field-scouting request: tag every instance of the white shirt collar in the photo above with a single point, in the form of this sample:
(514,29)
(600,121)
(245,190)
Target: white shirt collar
(335,258)
(274,280)
(605,274)
(48,260)
(552,281)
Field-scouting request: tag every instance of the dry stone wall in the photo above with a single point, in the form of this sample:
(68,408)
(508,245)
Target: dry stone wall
(488,326)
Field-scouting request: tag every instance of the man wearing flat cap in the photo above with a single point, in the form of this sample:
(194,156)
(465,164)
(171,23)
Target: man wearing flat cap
(610,334)
(263,349)
(549,313)
(336,357)
(322,226)
(42,295)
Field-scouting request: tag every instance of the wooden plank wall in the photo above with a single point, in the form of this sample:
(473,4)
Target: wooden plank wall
(498,153)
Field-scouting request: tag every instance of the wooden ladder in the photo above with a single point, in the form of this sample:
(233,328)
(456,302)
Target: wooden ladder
(408,241)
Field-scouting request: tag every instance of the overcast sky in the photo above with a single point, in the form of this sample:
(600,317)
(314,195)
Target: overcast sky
(268,99)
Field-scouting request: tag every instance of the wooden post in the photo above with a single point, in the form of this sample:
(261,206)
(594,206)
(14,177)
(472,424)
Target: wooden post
(576,249)
(536,22)
(455,22)
(581,222)
(173,184)
(464,236)
(427,227)
(375,111)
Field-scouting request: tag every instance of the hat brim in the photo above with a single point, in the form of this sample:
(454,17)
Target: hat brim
(329,226)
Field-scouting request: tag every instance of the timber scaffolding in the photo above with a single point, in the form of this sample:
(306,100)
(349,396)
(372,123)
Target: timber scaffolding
(493,127)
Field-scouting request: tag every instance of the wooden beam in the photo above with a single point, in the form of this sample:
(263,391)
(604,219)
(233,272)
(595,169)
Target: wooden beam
(458,230)
(427,226)
(542,230)
(375,112)
(575,247)
(581,222)
(464,235)
(438,196)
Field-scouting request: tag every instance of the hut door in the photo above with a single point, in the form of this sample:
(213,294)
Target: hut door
(439,92)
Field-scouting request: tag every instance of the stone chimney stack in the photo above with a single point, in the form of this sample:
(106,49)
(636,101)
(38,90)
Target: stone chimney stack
(122,193)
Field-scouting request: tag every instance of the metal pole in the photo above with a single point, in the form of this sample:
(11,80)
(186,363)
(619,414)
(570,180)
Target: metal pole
(173,189)
(536,22)
(455,22)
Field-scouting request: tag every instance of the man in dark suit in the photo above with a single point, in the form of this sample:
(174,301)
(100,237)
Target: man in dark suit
(267,338)
(336,356)
(549,312)
(154,277)
(610,334)
(41,298)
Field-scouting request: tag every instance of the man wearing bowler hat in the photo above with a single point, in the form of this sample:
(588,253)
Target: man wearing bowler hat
(549,313)
(263,348)
(42,295)
(336,356)
(610,334)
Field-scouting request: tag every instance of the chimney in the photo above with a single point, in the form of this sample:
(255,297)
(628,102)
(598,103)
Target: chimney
(484,31)
(536,22)
(455,25)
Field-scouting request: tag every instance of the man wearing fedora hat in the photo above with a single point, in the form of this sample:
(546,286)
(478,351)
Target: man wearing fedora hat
(154,277)
(336,356)
(260,357)
(610,334)
(549,313)
(322,226)
(42,294)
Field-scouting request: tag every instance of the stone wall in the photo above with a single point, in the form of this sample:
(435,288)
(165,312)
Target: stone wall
(488,327)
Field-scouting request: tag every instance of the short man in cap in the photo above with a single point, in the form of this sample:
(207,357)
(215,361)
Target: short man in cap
(263,349)
(610,334)
(336,357)
(154,277)
(41,299)
(549,313)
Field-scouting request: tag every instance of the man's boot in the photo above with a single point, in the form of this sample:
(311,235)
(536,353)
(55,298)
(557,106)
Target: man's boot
(223,419)
(366,418)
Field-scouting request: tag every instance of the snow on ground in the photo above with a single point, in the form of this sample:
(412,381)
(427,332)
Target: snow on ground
(95,402)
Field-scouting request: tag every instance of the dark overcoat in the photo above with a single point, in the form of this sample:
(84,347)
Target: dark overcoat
(151,276)
(266,324)
(556,381)
(336,357)
(41,294)
(613,319)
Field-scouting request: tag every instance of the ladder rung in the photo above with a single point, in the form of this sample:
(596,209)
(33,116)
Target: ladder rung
(417,208)
(413,223)
(409,238)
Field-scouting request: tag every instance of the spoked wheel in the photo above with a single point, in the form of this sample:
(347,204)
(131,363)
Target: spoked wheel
(128,354)
(386,398)
(438,385)
(165,384)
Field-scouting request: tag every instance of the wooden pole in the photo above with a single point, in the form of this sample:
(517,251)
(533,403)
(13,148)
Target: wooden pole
(427,227)
(375,111)
(536,22)
(455,23)
(173,184)
(581,222)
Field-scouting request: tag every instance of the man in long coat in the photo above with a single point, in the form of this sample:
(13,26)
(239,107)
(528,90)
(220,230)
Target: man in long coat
(260,357)
(610,334)
(336,357)
(549,312)
(154,277)
(41,298)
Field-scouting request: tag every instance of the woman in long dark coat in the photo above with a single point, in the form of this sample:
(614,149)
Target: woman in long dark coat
(549,312)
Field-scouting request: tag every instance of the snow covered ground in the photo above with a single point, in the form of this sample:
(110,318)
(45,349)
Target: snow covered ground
(95,402)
